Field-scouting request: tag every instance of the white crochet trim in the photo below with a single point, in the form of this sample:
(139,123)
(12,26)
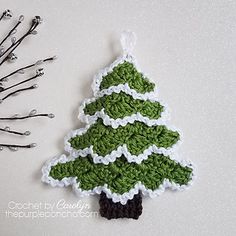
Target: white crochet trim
(128,40)
(122,198)
(121,150)
(115,123)
(151,96)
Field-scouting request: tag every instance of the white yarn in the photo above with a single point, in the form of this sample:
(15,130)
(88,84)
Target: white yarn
(128,41)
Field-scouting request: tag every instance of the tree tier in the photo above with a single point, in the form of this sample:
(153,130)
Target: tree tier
(127,73)
(137,136)
(121,176)
(120,105)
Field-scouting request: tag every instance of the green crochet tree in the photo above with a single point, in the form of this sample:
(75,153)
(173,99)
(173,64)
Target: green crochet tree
(126,149)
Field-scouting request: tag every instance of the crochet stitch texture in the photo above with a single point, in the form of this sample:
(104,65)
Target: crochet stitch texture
(120,154)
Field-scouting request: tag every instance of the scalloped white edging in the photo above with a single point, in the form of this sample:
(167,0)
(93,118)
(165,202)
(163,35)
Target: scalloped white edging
(122,198)
(151,96)
(121,150)
(115,123)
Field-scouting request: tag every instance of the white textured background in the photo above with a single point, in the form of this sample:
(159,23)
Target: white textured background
(188,48)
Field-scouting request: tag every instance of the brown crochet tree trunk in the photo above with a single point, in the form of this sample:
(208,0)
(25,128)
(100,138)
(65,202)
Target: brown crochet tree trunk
(110,210)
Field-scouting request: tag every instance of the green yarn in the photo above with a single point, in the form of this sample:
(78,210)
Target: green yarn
(127,73)
(121,105)
(121,176)
(137,136)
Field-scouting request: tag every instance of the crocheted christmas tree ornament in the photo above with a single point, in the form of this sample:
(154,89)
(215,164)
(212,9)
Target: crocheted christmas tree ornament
(127,149)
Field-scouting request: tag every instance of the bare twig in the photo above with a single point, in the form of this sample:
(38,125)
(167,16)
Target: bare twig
(18,91)
(6,14)
(39,73)
(27,117)
(21,18)
(39,62)
(7,130)
(2,16)
(35,22)
(14,147)
(32,114)
(17,42)
(9,55)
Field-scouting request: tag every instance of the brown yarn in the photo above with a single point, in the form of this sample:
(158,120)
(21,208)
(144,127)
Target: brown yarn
(110,210)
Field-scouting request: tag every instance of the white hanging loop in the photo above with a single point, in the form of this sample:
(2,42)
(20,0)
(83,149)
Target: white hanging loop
(128,41)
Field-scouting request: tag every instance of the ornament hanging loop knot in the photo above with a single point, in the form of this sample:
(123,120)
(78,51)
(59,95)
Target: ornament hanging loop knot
(128,41)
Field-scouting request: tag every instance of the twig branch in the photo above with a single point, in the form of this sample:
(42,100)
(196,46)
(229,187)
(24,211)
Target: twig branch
(21,18)
(27,117)
(35,22)
(7,130)
(17,42)
(39,62)
(32,114)
(8,54)
(2,16)
(6,14)
(39,73)
(18,91)
(14,147)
